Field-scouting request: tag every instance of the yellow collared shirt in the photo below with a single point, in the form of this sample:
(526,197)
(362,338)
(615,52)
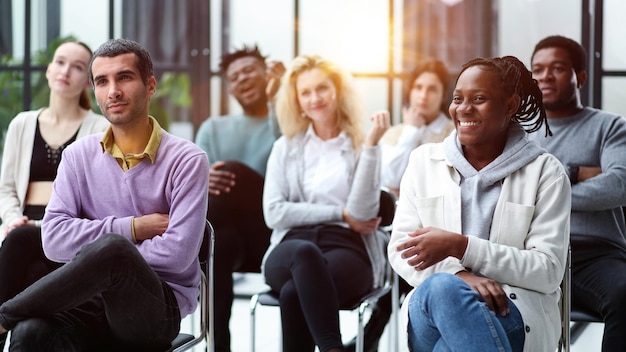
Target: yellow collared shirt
(129,161)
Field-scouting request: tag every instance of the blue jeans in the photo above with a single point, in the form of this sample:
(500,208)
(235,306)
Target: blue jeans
(106,298)
(445,314)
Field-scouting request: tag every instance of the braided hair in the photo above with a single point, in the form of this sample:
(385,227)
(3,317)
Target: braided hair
(516,79)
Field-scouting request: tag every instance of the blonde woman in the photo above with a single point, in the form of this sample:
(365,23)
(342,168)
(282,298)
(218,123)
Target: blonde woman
(321,197)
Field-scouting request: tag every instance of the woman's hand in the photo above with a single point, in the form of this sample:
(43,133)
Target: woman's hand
(380,124)
(362,227)
(411,116)
(430,245)
(23,221)
(490,290)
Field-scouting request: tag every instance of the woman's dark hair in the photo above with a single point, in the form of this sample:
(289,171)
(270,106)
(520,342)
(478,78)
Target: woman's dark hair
(516,79)
(439,69)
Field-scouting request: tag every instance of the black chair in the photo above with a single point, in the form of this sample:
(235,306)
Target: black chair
(581,318)
(367,303)
(184,341)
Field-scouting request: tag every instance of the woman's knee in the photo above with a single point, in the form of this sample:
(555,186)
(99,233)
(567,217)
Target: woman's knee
(441,284)
(24,237)
(289,258)
(442,289)
(297,250)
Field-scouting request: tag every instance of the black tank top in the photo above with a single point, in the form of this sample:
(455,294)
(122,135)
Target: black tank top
(45,160)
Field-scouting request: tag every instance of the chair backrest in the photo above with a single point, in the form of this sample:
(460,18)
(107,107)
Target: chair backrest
(185,341)
(387,208)
(203,254)
(209,255)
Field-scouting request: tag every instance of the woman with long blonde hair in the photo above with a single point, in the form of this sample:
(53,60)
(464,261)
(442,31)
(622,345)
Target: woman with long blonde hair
(321,198)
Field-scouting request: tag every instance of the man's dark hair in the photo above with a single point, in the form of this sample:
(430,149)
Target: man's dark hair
(229,58)
(576,52)
(115,47)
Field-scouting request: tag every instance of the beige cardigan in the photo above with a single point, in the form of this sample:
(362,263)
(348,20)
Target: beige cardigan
(18,147)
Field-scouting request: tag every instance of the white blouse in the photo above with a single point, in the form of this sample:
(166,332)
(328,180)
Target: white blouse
(325,175)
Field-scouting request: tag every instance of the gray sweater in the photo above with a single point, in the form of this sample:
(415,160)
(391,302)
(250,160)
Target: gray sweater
(593,138)
(239,137)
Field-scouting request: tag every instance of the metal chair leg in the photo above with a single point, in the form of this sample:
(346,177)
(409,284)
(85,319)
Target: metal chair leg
(253,304)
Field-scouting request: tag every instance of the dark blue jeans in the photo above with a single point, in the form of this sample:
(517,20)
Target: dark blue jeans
(106,298)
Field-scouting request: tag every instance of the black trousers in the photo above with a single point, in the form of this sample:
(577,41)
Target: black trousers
(241,239)
(317,270)
(106,298)
(599,284)
(22,261)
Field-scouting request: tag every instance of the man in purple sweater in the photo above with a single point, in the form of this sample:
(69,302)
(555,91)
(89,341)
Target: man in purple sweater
(126,217)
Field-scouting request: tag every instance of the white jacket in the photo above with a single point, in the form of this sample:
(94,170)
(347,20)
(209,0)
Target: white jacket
(528,243)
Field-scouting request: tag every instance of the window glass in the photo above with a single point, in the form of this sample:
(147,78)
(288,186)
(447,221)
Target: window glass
(613,41)
(88,21)
(613,89)
(266,23)
(522,23)
(352,33)
(373,94)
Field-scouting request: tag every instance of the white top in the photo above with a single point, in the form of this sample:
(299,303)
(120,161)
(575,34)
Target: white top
(325,180)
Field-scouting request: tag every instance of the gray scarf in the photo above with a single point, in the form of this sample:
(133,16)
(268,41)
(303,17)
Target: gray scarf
(480,190)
